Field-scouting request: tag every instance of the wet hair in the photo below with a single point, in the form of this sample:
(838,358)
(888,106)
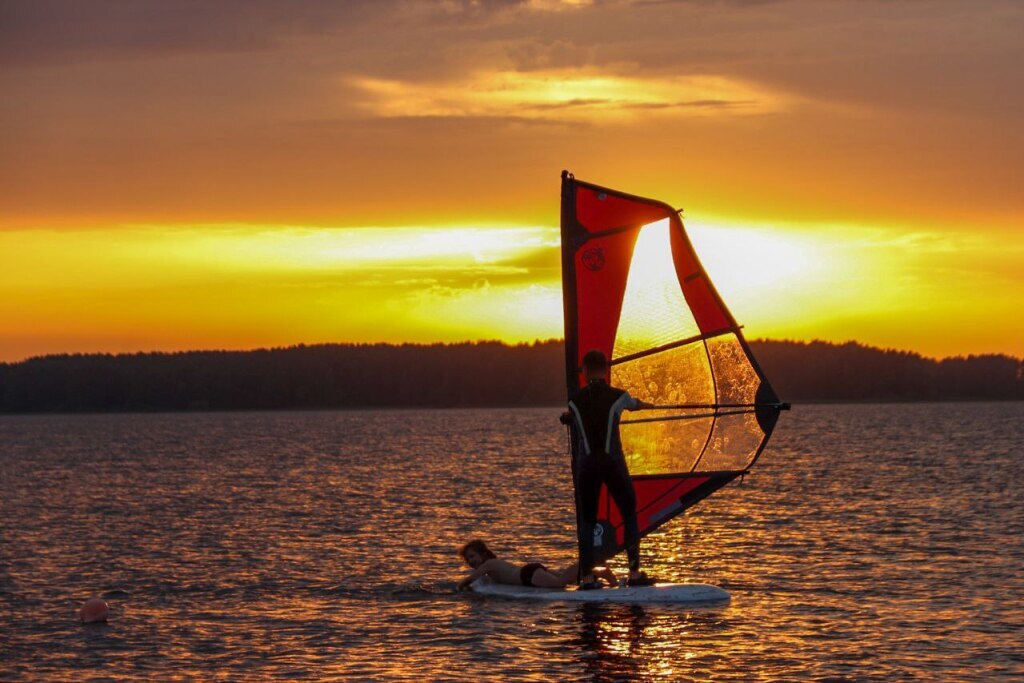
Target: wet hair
(479,546)
(595,360)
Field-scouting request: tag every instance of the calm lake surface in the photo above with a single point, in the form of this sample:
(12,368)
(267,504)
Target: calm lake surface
(870,542)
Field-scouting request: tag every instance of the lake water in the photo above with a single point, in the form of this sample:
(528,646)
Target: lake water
(870,542)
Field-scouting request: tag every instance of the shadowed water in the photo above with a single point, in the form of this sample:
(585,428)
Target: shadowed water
(869,543)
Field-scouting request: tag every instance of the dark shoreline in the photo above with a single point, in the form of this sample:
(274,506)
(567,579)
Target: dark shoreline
(388,409)
(463,375)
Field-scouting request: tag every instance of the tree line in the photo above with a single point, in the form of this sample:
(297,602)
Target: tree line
(456,375)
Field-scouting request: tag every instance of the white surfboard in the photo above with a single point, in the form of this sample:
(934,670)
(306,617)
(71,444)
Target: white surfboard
(659,593)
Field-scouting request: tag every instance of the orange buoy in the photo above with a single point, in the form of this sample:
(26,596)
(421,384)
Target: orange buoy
(94,610)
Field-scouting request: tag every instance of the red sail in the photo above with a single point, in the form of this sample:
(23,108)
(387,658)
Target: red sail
(634,289)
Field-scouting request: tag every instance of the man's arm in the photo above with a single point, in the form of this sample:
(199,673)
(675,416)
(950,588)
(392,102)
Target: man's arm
(638,404)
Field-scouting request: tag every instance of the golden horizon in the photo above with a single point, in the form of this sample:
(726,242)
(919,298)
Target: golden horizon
(237,286)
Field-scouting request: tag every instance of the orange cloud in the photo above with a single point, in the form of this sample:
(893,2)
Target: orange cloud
(568,94)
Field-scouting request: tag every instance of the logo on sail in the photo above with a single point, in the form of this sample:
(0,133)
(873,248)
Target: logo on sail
(593,259)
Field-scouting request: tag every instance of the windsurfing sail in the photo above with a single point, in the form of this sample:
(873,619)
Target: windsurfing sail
(634,289)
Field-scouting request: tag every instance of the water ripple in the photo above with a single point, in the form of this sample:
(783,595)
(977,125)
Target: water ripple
(870,543)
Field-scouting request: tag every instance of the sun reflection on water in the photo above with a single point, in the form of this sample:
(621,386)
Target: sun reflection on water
(320,546)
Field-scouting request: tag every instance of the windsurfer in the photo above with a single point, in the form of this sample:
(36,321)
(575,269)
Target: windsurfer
(594,412)
(484,562)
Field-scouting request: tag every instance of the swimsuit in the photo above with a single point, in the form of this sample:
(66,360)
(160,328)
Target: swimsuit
(526,573)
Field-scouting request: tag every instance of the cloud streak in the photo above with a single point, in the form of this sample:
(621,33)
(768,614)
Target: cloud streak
(571,94)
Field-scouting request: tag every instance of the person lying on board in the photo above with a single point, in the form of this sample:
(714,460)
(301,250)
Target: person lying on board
(485,563)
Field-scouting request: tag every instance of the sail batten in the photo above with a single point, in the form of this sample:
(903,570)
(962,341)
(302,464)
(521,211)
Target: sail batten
(698,416)
(668,346)
(634,289)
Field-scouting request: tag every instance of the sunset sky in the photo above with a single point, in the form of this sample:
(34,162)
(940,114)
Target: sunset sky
(248,173)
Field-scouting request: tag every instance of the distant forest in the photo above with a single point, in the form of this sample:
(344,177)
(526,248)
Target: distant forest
(456,375)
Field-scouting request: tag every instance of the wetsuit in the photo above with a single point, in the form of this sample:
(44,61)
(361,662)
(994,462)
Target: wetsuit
(595,410)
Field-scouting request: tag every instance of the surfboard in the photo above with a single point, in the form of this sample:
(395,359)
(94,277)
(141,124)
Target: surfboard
(662,593)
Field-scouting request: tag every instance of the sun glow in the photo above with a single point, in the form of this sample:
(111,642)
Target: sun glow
(233,286)
(244,286)
(654,311)
(767,276)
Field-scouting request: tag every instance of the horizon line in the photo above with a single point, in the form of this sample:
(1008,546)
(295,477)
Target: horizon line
(473,342)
